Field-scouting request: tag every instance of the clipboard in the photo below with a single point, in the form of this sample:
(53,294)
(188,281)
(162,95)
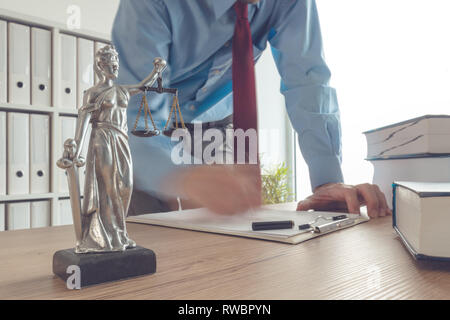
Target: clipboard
(320,222)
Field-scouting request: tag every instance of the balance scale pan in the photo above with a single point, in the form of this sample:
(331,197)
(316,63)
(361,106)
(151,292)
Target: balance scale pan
(145,133)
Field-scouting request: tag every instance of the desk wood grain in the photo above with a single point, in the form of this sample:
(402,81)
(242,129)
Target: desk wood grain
(367,261)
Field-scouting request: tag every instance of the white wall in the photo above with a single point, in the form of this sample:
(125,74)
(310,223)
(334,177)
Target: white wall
(95,15)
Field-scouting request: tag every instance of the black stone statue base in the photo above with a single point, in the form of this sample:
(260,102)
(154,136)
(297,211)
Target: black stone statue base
(96,268)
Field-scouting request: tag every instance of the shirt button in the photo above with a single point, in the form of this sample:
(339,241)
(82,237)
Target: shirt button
(216,72)
(227,44)
(192,107)
(204,89)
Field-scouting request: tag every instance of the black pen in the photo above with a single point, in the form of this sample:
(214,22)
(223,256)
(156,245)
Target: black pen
(272,225)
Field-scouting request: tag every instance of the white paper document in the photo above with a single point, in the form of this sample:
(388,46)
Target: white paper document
(241,224)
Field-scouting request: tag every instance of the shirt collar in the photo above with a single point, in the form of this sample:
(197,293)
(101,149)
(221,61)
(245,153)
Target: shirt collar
(222,6)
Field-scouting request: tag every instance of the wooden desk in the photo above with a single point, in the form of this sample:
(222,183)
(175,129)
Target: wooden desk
(195,265)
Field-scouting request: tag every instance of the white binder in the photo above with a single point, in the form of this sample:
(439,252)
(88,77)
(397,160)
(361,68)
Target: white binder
(85,67)
(2,217)
(41,60)
(82,170)
(97,46)
(18,153)
(19,64)
(64,214)
(68,126)
(68,60)
(18,216)
(40,214)
(2,152)
(3,62)
(39,153)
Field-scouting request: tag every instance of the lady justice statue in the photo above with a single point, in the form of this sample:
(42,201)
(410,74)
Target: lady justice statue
(100,221)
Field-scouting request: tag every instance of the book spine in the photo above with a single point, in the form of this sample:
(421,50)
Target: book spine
(394,188)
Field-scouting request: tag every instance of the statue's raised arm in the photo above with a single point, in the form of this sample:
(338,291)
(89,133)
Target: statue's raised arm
(159,66)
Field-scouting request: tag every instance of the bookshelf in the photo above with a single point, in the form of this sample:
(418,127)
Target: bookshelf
(55,110)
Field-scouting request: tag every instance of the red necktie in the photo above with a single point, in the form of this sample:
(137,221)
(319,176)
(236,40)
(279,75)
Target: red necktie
(244,90)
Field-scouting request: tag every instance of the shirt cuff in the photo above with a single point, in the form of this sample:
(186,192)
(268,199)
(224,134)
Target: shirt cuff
(324,170)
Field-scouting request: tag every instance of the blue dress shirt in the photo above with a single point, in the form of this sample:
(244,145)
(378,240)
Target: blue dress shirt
(195,38)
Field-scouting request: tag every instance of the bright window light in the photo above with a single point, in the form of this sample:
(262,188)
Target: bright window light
(390,61)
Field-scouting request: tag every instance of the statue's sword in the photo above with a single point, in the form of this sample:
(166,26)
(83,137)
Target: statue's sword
(74,185)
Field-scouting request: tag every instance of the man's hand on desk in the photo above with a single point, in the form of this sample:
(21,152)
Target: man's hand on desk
(224,189)
(342,197)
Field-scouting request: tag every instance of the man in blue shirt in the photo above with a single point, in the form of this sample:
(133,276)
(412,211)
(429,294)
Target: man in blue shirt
(195,38)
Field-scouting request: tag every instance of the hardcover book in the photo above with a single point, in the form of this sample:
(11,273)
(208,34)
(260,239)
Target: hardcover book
(421,217)
(418,137)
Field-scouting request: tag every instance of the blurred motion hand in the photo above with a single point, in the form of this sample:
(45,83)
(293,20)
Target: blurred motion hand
(223,189)
(348,198)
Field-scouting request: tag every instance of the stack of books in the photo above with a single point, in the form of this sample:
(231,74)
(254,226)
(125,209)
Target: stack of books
(413,150)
